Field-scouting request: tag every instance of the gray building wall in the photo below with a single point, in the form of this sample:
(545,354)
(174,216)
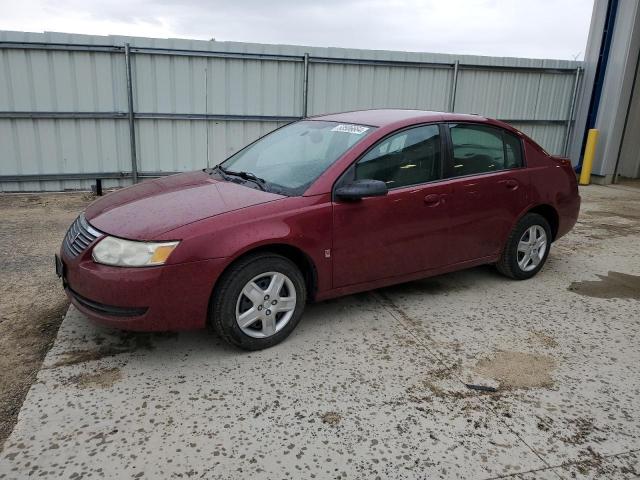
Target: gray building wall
(616,115)
(629,161)
(64,99)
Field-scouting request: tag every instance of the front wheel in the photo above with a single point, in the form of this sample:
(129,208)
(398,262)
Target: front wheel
(258,301)
(527,248)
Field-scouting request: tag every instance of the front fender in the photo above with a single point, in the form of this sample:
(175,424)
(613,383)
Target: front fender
(303,223)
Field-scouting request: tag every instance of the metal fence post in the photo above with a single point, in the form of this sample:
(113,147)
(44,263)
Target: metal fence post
(132,128)
(305,85)
(454,86)
(572,108)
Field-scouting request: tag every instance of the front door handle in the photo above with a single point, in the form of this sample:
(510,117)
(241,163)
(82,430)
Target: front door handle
(432,200)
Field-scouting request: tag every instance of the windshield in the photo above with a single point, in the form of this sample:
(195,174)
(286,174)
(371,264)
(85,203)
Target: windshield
(292,157)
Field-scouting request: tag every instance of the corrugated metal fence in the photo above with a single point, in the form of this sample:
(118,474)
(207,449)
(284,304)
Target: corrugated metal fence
(76,107)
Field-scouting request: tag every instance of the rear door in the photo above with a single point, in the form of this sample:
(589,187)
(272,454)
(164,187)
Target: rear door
(404,231)
(490,188)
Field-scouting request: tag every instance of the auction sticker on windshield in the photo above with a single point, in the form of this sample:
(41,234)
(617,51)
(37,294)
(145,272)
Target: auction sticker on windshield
(357,129)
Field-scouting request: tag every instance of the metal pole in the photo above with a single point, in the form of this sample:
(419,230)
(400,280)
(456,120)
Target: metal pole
(589,155)
(454,86)
(305,85)
(132,128)
(572,108)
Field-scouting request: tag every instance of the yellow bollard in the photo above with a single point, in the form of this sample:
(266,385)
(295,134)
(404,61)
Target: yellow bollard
(589,153)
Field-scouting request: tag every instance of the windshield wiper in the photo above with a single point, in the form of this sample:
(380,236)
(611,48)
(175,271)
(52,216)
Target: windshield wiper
(225,174)
(260,182)
(219,169)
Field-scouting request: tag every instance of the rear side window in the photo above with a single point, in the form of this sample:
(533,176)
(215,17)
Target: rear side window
(407,158)
(481,149)
(512,150)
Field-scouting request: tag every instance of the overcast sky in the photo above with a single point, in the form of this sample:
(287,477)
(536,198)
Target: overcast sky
(519,28)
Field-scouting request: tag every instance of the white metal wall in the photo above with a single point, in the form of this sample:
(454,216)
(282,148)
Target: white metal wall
(194,107)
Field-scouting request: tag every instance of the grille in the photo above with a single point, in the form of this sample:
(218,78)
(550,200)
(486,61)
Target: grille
(79,236)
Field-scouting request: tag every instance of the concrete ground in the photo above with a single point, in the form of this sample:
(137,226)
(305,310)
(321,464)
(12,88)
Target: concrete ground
(371,385)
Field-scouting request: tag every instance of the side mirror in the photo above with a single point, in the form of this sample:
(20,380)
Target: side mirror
(362,188)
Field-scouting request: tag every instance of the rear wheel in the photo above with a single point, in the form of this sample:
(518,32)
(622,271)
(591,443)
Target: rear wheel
(258,301)
(527,248)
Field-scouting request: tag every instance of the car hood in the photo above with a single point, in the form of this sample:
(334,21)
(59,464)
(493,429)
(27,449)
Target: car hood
(151,208)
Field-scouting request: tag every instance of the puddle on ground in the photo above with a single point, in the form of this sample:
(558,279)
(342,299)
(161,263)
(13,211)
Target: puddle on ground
(515,370)
(612,285)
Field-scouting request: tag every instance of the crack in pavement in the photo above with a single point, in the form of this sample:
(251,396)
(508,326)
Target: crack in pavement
(564,464)
(391,308)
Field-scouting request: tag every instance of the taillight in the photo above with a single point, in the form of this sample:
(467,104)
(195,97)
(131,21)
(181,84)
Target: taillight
(562,160)
(566,166)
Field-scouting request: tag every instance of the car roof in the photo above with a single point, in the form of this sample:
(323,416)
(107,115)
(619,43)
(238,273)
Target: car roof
(387,116)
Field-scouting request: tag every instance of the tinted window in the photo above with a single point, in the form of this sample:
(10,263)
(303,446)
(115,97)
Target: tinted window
(513,150)
(481,149)
(406,158)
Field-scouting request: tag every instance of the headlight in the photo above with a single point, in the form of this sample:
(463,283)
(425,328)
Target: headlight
(127,253)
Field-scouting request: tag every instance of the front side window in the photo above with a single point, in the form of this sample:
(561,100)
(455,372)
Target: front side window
(292,157)
(407,158)
(481,149)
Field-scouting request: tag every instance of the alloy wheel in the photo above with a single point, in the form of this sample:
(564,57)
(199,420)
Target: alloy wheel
(266,304)
(531,248)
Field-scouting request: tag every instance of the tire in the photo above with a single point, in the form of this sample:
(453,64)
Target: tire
(264,292)
(512,263)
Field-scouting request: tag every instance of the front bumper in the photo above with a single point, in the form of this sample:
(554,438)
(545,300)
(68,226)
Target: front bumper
(161,298)
(106,310)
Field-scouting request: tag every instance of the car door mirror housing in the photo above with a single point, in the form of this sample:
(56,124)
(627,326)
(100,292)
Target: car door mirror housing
(359,189)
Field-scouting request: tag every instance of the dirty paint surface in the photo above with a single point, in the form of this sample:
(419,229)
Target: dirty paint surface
(368,386)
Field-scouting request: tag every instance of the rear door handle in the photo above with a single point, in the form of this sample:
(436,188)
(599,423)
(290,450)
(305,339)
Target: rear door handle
(511,184)
(432,200)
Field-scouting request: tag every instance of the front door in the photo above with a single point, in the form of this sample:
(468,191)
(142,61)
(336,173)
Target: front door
(404,231)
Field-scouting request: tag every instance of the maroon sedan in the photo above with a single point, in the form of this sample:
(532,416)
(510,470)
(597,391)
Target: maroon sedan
(326,206)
